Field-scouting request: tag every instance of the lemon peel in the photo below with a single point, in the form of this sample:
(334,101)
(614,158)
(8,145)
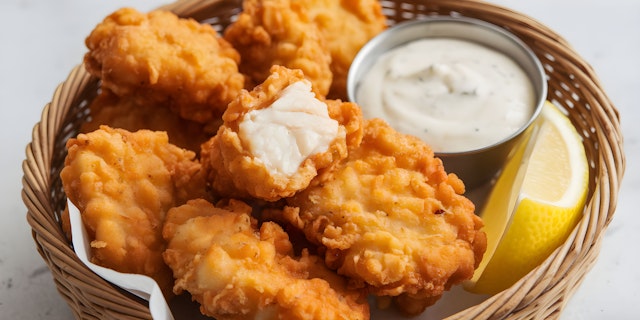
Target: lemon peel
(536,202)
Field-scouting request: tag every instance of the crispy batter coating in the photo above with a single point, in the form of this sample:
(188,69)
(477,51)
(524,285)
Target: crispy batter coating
(237,271)
(346,25)
(275,32)
(349,115)
(123,183)
(160,58)
(126,113)
(234,170)
(393,220)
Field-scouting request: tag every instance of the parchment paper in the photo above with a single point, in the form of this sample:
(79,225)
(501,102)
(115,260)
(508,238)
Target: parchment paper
(140,285)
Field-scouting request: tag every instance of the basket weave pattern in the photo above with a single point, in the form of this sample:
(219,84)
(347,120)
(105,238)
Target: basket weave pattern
(541,294)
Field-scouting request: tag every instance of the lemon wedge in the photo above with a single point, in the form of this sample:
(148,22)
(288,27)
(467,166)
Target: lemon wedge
(535,203)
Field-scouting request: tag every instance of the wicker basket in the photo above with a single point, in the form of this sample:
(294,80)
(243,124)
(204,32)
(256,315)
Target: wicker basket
(541,294)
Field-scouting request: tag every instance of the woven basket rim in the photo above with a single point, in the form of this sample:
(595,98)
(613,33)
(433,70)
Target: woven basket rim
(574,86)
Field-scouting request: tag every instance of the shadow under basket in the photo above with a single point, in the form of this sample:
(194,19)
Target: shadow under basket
(541,294)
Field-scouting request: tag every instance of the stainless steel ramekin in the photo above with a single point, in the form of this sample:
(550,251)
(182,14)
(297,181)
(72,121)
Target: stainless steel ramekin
(475,167)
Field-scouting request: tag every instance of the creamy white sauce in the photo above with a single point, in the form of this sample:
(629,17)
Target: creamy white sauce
(294,127)
(453,94)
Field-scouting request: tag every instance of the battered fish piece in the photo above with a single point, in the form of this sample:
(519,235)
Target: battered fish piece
(392,220)
(236,270)
(275,32)
(125,113)
(346,25)
(160,58)
(123,183)
(276,138)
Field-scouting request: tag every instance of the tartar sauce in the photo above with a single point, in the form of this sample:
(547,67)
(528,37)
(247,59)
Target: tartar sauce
(453,94)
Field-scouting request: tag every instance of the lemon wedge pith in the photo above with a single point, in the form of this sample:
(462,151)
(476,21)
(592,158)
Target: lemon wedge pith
(535,203)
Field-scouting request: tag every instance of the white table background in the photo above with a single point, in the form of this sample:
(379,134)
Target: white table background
(42,40)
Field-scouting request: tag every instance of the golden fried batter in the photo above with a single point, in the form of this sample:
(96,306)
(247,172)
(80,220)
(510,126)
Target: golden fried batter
(237,271)
(125,113)
(346,25)
(392,219)
(123,183)
(349,115)
(160,58)
(274,32)
(276,138)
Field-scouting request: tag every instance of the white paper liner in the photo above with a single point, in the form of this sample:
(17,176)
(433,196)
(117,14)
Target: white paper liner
(140,285)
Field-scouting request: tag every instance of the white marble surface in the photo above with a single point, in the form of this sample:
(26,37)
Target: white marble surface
(42,40)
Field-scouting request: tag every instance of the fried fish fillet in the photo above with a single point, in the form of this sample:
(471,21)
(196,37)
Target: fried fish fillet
(160,58)
(276,138)
(346,25)
(126,113)
(236,270)
(392,220)
(123,183)
(275,32)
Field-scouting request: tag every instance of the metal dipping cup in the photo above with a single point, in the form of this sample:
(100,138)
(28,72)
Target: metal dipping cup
(475,167)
